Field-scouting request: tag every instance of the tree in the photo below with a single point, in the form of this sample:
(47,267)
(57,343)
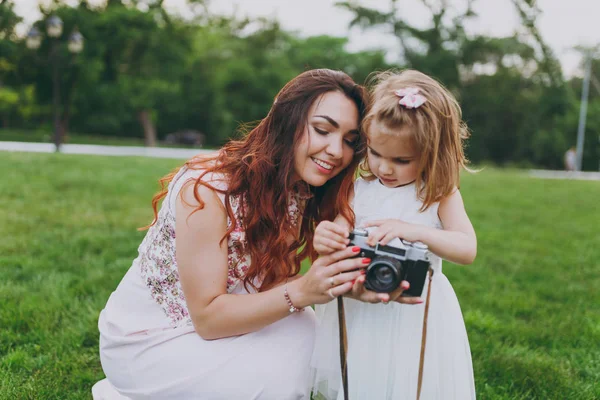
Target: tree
(511,89)
(9,56)
(547,61)
(330,52)
(143,58)
(434,50)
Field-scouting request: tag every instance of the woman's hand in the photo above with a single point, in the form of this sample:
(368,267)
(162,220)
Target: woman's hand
(388,229)
(330,276)
(330,237)
(359,292)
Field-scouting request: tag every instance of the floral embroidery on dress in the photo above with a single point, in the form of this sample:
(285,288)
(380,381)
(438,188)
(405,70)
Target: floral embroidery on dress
(237,259)
(159,271)
(158,266)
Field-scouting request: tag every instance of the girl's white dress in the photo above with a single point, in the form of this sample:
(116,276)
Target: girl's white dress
(148,346)
(384,341)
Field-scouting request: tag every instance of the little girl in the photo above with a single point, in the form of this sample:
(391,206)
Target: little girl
(408,189)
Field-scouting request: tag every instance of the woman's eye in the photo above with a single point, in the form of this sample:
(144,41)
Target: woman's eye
(351,142)
(321,132)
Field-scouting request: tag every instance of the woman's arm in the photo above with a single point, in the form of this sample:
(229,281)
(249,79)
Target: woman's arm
(203,268)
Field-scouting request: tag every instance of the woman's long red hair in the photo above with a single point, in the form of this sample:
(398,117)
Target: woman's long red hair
(258,169)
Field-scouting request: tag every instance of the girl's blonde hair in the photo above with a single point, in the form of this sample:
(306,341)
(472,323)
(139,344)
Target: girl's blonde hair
(436,128)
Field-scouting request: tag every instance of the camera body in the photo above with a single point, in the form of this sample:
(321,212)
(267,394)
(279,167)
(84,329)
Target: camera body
(390,265)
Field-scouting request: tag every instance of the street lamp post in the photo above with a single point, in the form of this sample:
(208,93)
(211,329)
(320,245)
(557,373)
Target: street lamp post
(54,29)
(583,110)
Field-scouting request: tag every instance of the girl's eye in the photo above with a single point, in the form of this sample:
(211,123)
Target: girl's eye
(321,132)
(371,152)
(404,162)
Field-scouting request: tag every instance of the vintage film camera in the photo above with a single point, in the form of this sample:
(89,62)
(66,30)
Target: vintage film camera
(391,264)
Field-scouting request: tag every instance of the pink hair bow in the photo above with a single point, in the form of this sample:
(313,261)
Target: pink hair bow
(410,97)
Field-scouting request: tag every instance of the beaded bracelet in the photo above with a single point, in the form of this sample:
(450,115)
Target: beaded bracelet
(293,308)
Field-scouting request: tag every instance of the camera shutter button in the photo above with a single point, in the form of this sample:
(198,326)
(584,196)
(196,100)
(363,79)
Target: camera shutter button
(420,245)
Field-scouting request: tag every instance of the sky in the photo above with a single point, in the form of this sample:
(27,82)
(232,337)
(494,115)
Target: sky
(563,24)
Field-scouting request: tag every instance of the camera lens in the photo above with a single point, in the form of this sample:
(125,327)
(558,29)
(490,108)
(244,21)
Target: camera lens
(384,274)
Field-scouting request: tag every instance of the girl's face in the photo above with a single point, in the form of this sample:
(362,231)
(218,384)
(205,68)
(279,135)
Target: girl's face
(392,158)
(327,144)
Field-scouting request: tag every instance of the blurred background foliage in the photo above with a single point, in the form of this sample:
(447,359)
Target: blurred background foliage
(146,72)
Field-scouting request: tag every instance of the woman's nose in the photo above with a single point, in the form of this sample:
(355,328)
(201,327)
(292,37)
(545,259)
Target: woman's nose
(335,147)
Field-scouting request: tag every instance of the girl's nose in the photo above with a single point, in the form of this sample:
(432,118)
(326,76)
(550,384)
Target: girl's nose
(385,169)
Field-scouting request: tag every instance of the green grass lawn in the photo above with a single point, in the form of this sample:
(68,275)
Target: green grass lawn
(68,223)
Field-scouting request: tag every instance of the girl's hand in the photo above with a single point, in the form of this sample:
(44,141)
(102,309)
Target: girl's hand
(329,277)
(330,237)
(359,292)
(388,229)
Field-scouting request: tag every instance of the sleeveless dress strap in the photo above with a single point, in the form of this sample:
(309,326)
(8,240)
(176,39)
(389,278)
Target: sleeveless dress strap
(185,175)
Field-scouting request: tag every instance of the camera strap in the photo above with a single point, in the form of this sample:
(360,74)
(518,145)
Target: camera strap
(343,345)
(424,336)
(344,341)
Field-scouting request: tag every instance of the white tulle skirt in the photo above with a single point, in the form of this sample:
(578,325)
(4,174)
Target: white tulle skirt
(384,344)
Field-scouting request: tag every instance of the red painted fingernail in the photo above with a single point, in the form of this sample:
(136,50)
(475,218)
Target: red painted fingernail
(363,272)
(356,249)
(366,260)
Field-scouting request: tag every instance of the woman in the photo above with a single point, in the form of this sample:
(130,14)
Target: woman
(212,306)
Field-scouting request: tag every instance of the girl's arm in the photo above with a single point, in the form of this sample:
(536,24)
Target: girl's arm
(333,235)
(456,242)
(203,267)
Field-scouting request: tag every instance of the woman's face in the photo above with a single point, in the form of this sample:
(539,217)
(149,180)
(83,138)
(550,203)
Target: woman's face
(327,144)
